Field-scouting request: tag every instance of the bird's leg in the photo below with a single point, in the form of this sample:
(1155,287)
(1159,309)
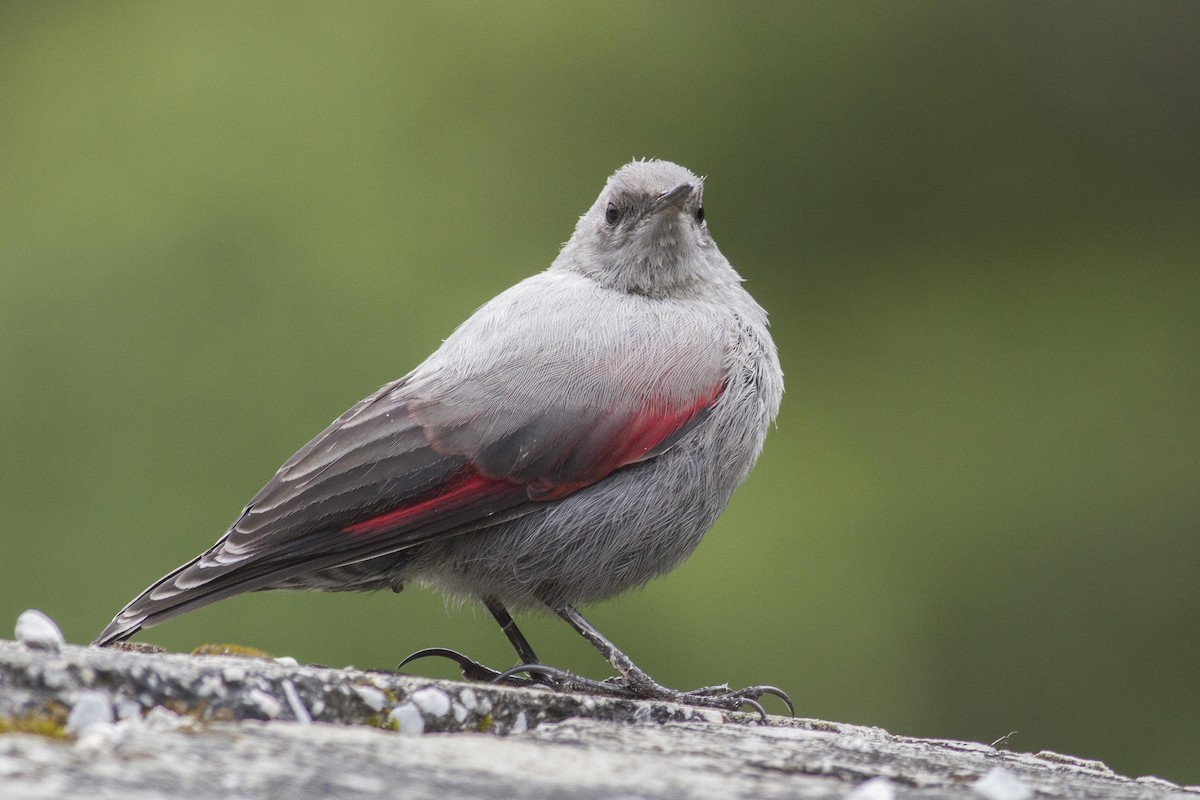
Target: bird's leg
(505,620)
(521,645)
(532,666)
(635,678)
(635,681)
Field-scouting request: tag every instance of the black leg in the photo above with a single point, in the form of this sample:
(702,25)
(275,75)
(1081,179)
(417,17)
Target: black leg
(519,642)
(634,677)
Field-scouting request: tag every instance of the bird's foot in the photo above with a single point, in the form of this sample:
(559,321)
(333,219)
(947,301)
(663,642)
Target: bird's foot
(562,681)
(637,685)
(733,699)
(538,674)
(642,687)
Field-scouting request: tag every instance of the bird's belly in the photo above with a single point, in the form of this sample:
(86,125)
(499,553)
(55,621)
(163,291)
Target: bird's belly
(636,524)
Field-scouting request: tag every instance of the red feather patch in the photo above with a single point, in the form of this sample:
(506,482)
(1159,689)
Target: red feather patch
(638,435)
(470,485)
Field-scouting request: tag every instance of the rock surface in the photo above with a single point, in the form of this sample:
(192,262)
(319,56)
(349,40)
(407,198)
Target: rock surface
(160,726)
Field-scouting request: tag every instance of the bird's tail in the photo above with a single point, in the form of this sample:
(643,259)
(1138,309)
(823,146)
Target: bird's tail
(162,600)
(207,578)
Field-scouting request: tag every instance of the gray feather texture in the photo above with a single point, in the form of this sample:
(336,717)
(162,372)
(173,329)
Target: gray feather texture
(573,438)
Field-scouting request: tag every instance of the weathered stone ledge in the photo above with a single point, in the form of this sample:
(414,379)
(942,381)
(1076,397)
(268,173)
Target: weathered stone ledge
(112,724)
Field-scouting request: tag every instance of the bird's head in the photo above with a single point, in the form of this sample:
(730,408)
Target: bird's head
(646,232)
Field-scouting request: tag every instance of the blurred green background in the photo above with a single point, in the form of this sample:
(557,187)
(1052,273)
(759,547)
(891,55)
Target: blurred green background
(976,228)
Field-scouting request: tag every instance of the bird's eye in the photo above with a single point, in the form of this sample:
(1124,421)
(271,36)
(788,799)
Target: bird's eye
(700,214)
(612,214)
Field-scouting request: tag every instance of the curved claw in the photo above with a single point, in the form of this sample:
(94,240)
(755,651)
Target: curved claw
(775,691)
(441,652)
(471,670)
(757,706)
(733,699)
(751,694)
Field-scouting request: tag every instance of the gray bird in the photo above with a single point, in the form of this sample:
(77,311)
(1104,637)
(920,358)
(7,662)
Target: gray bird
(574,438)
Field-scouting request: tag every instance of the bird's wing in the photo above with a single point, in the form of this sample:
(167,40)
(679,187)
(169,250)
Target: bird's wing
(488,428)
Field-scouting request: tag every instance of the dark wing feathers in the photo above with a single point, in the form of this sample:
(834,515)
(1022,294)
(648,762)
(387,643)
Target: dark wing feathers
(208,578)
(398,469)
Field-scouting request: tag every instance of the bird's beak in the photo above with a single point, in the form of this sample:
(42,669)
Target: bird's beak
(673,197)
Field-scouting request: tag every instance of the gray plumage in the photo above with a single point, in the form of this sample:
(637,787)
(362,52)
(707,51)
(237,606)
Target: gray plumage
(574,438)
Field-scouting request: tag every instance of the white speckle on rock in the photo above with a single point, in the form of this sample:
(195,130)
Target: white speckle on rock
(210,685)
(878,788)
(1000,784)
(271,707)
(35,629)
(53,678)
(460,712)
(468,699)
(432,701)
(299,710)
(10,766)
(711,715)
(520,724)
(99,739)
(234,674)
(407,718)
(371,696)
(90,709)
(163,720)
(287,661)
(128,709)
